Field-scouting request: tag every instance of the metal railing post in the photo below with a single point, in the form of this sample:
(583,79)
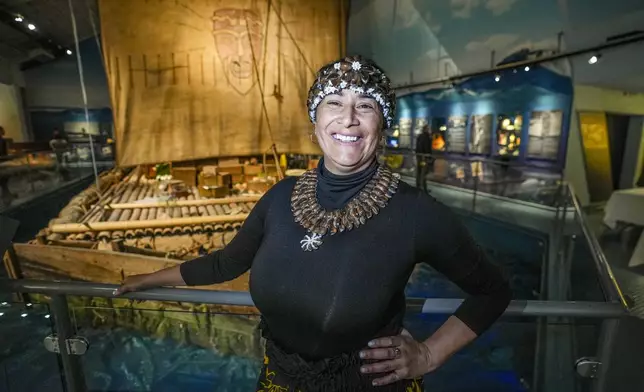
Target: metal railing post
(72,367)
(476,189)
(607,338)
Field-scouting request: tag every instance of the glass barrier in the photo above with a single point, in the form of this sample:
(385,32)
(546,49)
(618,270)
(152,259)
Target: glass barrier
(25,364)
(516,354)
(24,177)
(153,346)
(485,176)
(581,277)
(139,346)
(520,254)
(545,251)
(584,272)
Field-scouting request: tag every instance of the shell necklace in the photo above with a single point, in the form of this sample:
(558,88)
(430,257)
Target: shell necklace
(319,222)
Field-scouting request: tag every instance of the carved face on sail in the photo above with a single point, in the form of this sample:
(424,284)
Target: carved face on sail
(235,30)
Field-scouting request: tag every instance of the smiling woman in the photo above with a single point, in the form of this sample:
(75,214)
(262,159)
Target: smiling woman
(325,276)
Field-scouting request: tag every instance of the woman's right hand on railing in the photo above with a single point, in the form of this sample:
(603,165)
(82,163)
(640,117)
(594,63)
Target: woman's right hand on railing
(133,283)
(165,277)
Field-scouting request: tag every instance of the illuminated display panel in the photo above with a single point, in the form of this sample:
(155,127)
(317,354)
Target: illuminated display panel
(508,135)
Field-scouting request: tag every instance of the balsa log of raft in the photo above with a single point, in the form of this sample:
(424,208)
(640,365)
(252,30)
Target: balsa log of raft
(184,203)
(160,223)
(59,262)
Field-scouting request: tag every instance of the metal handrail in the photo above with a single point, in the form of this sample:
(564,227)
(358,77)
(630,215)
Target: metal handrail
(444,306)
(607,279)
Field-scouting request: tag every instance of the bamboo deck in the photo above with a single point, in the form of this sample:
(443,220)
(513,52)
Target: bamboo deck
(128,218)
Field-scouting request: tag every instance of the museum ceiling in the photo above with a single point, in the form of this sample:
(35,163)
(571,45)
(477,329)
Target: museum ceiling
(52,32)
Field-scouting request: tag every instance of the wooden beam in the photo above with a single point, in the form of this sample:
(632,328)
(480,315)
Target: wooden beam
(14,271)
(183,203)
(56,262)
(87,264)
(133,225)
(11,263)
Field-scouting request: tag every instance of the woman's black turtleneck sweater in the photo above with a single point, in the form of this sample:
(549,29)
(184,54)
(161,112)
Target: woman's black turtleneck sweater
(335,299)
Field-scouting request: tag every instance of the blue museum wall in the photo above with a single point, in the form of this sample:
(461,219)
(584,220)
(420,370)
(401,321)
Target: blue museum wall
(516,93)
(54,94)
(44,122)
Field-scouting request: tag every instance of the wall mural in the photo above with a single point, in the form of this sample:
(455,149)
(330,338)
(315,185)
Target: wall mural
(202,78)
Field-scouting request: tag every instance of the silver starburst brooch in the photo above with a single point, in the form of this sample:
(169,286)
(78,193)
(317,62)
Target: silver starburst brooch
(311,242)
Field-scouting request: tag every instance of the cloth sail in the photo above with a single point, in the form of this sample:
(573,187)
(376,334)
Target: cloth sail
(187,77)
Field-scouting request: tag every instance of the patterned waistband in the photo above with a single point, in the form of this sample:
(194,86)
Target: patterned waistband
(325,379)
(338,372)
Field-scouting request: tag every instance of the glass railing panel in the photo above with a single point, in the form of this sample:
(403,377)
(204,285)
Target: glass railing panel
(486,176)
(556,261)
(159,346)
(152,346)
(577,274)
(26,176)
(584,282)
(520,255)
(526,354)
(25,364)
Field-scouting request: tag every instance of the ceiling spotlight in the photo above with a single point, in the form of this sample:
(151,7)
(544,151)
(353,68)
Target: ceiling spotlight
(527,68)
(497,78)
(23,315)
(18,18)
(31,26)
(69,52)
(594,59)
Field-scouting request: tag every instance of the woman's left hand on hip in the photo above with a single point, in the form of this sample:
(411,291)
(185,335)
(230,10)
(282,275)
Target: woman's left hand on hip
(398,357)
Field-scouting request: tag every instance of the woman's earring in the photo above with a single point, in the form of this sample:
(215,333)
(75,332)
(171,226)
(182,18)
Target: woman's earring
(313,138)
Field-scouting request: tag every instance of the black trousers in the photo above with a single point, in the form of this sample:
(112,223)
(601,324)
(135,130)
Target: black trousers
(423,167)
